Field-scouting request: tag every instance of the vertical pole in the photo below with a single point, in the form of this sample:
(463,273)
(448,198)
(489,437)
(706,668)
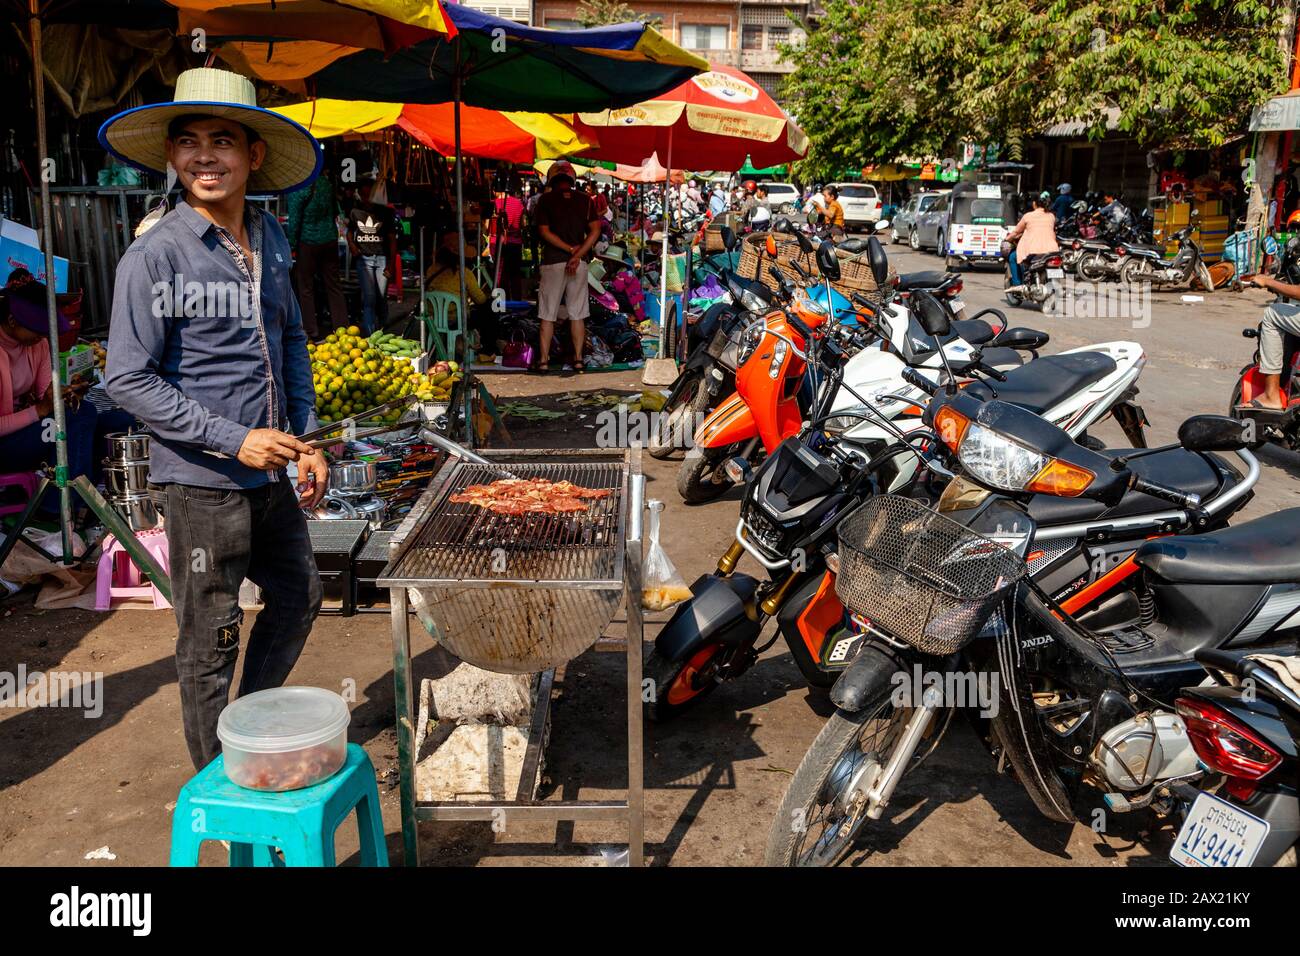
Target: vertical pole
(423,332)
(635,650)
(404,699)
(51,303)
(663,265)
(462,317)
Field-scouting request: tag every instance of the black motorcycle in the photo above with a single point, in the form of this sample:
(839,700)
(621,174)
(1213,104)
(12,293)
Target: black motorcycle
(1246,731)
(1147,263)
(950,595)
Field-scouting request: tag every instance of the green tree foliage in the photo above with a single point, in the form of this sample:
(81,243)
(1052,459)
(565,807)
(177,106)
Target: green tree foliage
(599,13)
(879,79)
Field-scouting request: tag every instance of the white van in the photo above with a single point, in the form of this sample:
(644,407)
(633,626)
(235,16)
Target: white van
(861,203)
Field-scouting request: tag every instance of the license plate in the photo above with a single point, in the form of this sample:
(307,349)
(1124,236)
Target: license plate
(1055,274)
(957,305)
(1218,834)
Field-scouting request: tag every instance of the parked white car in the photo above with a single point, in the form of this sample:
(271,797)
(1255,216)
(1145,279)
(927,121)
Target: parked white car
(782,197)
(861,203)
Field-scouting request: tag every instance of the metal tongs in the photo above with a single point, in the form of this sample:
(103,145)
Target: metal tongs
(315,439)
(447,445)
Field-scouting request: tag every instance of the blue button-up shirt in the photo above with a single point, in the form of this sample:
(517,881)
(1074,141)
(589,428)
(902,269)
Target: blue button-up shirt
(205,345)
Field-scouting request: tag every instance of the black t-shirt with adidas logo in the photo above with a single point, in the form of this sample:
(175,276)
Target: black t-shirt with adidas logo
(371,226)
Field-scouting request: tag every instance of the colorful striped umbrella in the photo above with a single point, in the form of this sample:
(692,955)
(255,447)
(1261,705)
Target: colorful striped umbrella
(490,134)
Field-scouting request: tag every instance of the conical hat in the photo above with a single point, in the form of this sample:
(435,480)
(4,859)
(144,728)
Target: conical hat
(138,136)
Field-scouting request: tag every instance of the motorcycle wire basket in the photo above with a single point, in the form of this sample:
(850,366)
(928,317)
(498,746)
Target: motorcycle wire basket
(919,577)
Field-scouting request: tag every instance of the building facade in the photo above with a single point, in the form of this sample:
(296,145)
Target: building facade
(744,35)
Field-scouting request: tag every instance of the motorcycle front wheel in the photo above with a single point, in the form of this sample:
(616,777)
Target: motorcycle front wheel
(1132,272)
(695,478)
(680,685)
(1203,274)
(1014,299)
(675,422)
(817,822)
(1092,268)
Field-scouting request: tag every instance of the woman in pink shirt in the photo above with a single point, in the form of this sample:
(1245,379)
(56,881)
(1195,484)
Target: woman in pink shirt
(26,395)
(1036,232)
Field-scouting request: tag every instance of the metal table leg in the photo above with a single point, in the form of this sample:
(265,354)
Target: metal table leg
(405,704)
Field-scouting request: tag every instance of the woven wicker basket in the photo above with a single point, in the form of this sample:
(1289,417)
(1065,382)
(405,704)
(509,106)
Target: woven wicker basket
(855,270)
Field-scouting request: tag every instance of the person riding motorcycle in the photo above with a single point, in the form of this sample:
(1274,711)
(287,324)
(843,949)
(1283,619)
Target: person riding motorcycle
(1279,319)
(1036,232)
(1063,203)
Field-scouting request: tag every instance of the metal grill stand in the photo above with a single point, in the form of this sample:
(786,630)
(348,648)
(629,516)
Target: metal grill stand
(437,536)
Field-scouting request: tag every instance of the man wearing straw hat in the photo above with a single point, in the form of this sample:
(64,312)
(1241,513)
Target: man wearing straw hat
(207,349)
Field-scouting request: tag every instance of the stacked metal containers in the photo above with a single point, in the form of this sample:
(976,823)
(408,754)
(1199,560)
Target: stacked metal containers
(126,475)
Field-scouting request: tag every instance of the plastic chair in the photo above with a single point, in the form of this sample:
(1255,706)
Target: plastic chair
(299,823)
(18,479)
(440,307)
(117,577)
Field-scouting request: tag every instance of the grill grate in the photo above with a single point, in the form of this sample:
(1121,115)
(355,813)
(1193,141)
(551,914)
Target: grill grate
(516,594)
(461,542)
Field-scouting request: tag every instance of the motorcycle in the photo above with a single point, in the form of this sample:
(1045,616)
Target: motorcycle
(952,592)
(1144,263)
(1040,279)
(1245,729)
(860,448)
(776,390)
(1276,426)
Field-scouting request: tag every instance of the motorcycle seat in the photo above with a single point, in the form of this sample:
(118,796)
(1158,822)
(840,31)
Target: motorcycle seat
(1146,247)
(908,281)
(1185,470)
(1263,551)
(1043,382)
(974,331)
(852,246)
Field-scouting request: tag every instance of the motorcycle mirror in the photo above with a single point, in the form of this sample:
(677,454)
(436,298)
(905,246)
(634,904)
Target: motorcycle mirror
(728,238)
(770,245)
(882,225)
(828,263)
(932,316)
(781,224)
(1213,433)
(878,261)
(805,244)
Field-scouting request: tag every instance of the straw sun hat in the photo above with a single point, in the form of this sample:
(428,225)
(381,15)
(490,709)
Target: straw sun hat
(137,136)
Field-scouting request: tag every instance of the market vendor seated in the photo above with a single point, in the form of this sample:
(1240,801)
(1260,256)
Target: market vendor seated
(27,393)
(443,276)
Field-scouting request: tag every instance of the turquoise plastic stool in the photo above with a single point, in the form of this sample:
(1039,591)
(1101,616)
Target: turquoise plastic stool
(440,308)
(300,823)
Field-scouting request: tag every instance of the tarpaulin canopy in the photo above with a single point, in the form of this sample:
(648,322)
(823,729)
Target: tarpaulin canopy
(286,40)
(510,136)
(750,170)
(720,119)
(501,65)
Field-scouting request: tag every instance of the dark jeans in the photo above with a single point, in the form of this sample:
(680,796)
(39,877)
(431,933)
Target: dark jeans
(217,537)
(319,259)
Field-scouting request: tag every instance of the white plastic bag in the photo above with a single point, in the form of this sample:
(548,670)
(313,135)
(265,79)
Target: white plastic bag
(662,585)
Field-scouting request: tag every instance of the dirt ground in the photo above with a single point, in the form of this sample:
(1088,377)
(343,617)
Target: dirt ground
(72,784)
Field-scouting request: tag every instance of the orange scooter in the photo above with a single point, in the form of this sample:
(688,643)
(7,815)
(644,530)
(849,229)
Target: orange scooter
(775,390)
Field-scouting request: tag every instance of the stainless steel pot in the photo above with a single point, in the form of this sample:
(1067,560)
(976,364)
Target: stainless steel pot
(372,509)
(128,446)
(138,510)
(126,477)
(352,477)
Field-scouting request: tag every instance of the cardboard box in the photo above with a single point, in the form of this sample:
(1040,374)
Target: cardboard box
(78,360)
(1178,214)
(19,248)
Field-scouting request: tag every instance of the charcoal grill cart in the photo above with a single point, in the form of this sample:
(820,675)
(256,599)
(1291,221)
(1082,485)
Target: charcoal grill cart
(520,595)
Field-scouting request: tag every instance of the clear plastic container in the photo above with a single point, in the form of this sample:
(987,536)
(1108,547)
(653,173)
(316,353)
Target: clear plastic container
(285,738)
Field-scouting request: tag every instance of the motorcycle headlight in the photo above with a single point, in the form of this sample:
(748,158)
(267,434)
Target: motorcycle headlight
(778,357)
(752,301)
(999,461)
(842,423)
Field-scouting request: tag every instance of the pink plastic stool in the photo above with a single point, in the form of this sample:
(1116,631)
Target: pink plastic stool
(18,479)
(117,577)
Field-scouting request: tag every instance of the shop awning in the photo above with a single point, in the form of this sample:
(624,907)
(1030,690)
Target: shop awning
(1280,114)
(1076,128)
(490,134)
